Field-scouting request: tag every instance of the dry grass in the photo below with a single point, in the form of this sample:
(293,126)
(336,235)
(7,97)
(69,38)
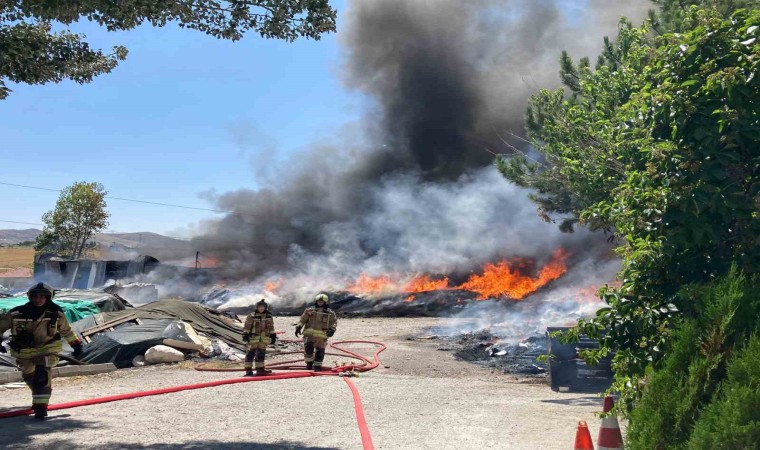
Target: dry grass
(16,257)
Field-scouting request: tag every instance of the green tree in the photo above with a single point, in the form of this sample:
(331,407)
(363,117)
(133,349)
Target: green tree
(660,145)
(32,53)
(670,15)
(79,212)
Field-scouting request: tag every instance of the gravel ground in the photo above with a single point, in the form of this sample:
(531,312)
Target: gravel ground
(419,398)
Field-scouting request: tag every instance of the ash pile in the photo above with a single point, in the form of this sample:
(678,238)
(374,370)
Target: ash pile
(487,349)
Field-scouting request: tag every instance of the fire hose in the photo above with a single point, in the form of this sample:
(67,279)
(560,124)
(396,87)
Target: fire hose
(366,365)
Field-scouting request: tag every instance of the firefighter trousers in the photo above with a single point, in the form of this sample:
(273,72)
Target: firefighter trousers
(256,351)
(38,375)
(314,350)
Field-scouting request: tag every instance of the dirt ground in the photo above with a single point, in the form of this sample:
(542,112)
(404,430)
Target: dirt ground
(16,261)
(419,398)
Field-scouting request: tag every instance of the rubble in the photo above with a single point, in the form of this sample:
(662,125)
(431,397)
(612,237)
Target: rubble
(485,348)
(137,293)
(188,327)
(440,303)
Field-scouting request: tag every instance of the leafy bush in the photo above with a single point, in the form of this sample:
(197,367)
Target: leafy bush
(706,351)
(732,420)
(657,144)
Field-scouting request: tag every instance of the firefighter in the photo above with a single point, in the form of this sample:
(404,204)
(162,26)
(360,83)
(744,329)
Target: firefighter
(320,324)
(258,333)
(36,330)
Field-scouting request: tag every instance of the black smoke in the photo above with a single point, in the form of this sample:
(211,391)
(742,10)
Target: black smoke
(449,81)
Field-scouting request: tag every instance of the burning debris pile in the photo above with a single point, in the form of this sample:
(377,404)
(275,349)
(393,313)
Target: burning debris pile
(505,279)
(504,284)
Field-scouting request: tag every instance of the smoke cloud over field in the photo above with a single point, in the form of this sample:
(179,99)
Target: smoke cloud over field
(448,80)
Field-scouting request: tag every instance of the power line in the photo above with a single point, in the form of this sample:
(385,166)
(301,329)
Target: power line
(23,223)
(139,233)
(221,211)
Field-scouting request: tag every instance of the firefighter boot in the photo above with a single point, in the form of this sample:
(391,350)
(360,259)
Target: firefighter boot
(260,372)
(40,411)
(248,372)
(309,365)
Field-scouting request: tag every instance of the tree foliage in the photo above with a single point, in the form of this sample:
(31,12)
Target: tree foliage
(671,14)
(79,212)
(657,144)
(30,52)
(702,371)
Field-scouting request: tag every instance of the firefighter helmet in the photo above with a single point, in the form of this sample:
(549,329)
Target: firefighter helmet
(262,302)
(322,297)
(41,288)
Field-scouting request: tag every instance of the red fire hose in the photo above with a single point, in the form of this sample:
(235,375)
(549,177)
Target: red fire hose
(359,409)
(366,365)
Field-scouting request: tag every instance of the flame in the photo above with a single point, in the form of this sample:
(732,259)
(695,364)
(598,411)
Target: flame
(507,279)
(273,285)
(366,284)
(424,283)
(503,279)
(208,262)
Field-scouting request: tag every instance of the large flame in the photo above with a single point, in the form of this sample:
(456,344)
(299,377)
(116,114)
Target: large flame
(503,279)
(366,284)
(507,279)
(424,283)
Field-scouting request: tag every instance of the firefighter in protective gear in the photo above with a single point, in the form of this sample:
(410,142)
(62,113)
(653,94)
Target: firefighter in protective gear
(258,333)
(36,331)
(318,323)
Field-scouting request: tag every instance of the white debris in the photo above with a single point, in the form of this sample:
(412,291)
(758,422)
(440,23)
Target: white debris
(163,354)
(139,361)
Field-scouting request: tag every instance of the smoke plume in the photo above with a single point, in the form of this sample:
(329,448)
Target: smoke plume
(448,81)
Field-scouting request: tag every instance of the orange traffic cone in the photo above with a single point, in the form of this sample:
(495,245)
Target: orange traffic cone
(583,437)
(609,434)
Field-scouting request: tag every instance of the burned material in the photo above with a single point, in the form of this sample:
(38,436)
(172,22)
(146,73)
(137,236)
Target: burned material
(484,348)
(444,303)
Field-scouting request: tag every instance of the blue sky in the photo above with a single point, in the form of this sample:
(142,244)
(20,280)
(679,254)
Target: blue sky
(182,115)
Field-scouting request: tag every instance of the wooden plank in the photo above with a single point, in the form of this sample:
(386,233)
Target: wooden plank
(108,326)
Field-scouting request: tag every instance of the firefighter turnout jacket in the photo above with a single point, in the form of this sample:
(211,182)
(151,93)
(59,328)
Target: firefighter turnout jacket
(318,321)
(37,331)
(259,327)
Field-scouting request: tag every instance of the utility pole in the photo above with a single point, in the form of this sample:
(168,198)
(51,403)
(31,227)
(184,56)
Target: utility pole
(197,262)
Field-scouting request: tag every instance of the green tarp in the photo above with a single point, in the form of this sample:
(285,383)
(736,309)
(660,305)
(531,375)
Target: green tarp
(73,309)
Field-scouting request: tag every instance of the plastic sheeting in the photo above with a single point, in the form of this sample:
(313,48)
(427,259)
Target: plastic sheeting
(203,320)
(73,309)
(159,321)
(122,344)
(105,301)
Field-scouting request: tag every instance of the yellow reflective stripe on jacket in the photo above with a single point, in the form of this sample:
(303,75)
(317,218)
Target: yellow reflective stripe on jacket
(311,332)
(28,353)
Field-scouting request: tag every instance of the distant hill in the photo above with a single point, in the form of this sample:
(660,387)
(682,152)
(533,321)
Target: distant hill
(119,245)
(13,237)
